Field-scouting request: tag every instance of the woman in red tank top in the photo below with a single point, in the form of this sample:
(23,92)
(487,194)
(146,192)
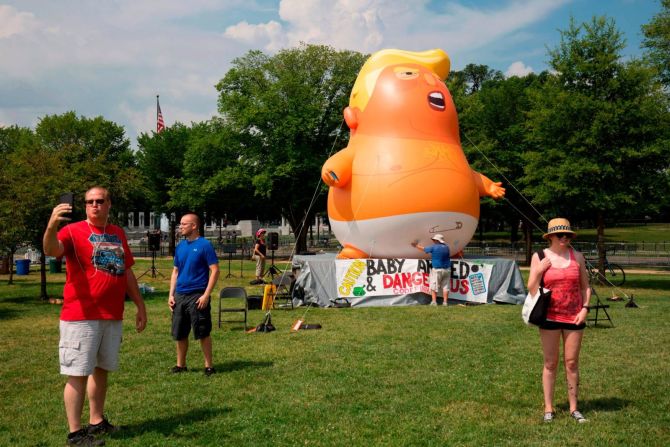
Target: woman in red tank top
(565,275)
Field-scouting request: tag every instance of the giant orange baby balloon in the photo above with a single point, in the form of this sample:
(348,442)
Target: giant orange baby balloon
(403,177)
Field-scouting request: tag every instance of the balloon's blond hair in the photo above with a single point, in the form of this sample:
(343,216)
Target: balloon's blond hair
(435,60)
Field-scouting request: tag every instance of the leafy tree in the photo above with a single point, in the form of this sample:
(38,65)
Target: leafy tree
(657,42)
(287,109)
(13,231)
(476,75)
(599,131)
(64,153)
(467,82)
(160,159)
(94,151)
(216,177)
(493,127)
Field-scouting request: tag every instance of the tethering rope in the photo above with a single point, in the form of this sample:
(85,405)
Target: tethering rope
(589,265)
(302,225)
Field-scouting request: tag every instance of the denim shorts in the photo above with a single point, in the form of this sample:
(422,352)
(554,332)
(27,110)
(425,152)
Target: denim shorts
(85,345)
(186,315)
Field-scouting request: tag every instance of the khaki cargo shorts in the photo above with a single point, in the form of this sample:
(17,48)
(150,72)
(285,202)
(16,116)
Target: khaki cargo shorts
(85,345)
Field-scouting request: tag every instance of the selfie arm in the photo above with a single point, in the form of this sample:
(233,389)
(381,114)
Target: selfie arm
(50,243)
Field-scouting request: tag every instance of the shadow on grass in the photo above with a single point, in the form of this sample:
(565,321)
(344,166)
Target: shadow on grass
(601,404)
(168,425)
(32,284)
(9,314)
(662,283)
(33,299)
(605,404)
(238,365)
(28,303)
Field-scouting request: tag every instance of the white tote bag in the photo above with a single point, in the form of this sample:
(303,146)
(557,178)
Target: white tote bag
(531,301)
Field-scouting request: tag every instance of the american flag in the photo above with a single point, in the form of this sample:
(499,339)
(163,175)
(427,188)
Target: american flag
(160,124)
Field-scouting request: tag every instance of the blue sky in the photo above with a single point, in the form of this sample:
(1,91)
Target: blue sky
(111,58)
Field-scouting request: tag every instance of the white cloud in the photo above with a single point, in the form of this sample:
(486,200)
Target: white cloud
(519,69)
(14,22)
(266,35)
(112,58)
(370,25)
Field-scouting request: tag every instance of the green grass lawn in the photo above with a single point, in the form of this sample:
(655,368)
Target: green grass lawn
(656,232)
(405,376)
(653,232)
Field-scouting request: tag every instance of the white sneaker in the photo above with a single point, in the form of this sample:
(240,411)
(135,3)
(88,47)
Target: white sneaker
(433,303)
(578,416)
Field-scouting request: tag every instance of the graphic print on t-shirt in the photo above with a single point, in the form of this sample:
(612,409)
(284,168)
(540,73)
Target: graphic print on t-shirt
(108,255)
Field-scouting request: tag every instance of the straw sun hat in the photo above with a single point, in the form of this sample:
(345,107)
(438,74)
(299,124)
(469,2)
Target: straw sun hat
(558,225)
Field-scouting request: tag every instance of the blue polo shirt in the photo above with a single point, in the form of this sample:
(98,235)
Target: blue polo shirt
(440,256)
(192,259)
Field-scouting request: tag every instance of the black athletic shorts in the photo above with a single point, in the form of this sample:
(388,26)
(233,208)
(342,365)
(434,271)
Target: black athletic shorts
(186,315)
(555,325)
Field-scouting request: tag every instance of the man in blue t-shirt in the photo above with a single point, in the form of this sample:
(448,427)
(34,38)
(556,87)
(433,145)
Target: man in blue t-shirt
(441,272)
(196,270)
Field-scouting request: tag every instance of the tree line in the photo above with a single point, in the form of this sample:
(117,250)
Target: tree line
(588,139)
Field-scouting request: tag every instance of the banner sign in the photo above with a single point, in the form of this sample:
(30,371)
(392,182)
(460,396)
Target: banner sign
(358,278)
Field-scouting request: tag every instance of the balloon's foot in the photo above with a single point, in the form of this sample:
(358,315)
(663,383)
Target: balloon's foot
(351,252)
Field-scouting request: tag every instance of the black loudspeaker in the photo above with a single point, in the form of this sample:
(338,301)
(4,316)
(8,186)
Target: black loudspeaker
(229,248)
(273,241)
(154,241)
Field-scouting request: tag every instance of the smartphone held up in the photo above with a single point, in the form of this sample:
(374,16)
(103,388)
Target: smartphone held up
(68,198)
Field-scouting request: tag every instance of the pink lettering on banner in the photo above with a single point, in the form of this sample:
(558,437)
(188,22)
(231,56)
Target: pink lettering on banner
(403,283)
(402,291)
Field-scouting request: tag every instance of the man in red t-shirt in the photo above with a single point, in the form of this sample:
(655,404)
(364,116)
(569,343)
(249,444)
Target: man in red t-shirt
(98,277)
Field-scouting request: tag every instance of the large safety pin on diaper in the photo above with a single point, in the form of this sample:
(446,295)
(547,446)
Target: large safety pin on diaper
(436,228)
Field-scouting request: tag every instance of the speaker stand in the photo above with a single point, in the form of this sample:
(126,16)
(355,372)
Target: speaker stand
(272,270)
(230,258)
(242,261)
(154,271)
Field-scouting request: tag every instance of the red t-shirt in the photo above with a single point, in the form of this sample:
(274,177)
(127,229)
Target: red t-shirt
(95,281)
(566,296)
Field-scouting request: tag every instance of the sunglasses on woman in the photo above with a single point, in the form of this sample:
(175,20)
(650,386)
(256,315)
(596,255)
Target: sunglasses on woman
(562,235)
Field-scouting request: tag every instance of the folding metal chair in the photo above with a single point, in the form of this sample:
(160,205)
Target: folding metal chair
(598,306)
(236,293)
(284,283)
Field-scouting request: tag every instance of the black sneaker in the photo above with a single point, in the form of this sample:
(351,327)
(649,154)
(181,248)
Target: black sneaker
(102,428)
(81,437)
(209,371)
(178,369)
